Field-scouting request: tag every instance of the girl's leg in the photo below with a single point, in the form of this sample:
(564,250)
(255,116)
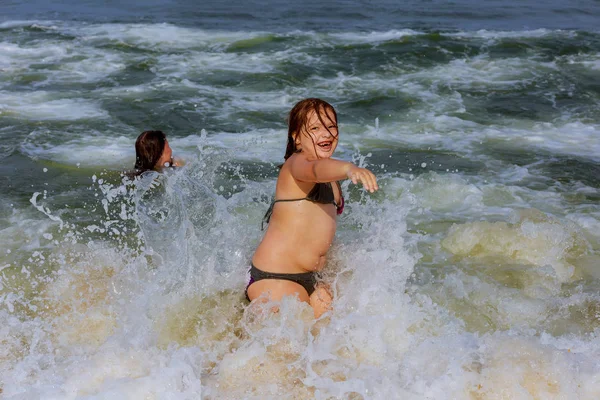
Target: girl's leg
(321,299)
(276,289)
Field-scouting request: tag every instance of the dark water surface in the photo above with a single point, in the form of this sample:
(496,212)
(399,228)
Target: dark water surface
(329,16)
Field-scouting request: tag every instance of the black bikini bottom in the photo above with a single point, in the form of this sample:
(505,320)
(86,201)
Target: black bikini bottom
(307,280)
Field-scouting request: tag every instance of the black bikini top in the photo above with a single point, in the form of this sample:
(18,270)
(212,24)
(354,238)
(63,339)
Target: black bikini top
(321,193)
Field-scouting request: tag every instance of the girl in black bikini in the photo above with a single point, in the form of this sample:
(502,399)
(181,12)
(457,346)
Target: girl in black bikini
(302,219)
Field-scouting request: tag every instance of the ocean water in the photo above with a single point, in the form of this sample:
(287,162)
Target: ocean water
(474,273)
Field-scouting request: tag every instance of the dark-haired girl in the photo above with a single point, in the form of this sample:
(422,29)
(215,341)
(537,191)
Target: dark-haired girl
(153,153)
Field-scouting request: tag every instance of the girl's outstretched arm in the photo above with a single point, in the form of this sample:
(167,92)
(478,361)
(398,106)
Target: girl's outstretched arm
(329,170)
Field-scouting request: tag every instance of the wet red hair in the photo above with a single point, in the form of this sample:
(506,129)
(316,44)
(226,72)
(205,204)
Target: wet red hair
(298,120)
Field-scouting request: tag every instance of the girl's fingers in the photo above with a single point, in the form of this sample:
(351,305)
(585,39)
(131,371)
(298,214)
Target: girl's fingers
(366,177)
(374,182)
(366,181)
(369,181)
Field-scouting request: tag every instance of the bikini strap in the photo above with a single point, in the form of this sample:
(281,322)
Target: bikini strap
(339,186)
(269,212)
(267,217)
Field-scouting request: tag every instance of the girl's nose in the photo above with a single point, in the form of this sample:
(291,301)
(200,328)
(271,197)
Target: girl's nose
(325,132)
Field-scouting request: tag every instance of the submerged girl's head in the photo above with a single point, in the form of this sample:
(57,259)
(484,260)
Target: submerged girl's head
(312,128)
(152,151)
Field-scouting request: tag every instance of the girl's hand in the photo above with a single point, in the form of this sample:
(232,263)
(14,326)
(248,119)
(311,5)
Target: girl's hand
(356,174)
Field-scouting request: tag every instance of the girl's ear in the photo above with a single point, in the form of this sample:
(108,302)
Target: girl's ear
(296,138)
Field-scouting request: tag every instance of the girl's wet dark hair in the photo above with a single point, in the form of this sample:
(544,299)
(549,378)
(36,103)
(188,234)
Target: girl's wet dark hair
(298,120)
(149,147)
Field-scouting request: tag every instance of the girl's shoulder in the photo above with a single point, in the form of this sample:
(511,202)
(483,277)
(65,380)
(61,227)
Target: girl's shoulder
(287,164)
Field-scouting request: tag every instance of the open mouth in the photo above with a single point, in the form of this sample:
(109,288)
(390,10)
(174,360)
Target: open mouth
(325,146)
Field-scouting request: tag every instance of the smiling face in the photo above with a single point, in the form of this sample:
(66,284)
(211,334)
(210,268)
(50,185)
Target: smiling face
(319,136)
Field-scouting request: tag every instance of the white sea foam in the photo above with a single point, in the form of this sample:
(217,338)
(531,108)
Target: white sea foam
(587,60)
(536,33)
(590,222)
(535,242)
(89,65)
(259,145)
(161,36)
(446,192)
(19,24)
(42,106)
(24,234)
(93,149)
(490,73)
(572,138)
(94,67)
(86,151)
(13,53)
(199,62)
(373,37)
